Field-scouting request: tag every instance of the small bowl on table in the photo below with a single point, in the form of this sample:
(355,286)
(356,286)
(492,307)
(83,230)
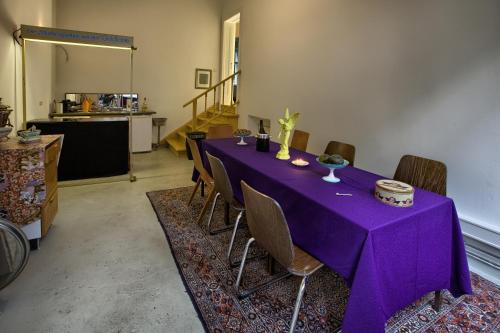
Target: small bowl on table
(332,167)
(30,133)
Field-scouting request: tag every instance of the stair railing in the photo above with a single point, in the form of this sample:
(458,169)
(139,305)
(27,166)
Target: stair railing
(222,92)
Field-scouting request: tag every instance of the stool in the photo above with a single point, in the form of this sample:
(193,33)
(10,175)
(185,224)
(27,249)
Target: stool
(159,122)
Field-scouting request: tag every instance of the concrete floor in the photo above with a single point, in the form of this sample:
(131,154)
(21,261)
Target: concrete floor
(105,265)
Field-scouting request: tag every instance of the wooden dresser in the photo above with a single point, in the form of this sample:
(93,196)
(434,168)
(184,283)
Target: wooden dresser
(28,183)
(50,205)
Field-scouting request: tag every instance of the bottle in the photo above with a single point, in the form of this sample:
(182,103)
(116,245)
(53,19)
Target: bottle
(144,107)
(261,127)
(262,139)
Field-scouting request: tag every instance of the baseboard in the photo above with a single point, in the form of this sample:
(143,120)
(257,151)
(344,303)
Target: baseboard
(482,245)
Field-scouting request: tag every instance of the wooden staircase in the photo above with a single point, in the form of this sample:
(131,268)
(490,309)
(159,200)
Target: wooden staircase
(212,117)
(217,114)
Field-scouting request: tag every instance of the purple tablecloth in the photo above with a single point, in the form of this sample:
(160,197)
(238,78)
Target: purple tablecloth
(389,256)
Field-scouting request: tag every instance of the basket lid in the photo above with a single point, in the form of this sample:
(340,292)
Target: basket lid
(395,186)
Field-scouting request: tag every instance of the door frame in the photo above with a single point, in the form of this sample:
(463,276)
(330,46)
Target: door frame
(229,33)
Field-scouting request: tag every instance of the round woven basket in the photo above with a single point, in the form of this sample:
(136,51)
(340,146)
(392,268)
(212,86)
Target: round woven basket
(394,193)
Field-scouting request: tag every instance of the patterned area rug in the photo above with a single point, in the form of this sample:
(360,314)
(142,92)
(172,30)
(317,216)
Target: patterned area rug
(202,263)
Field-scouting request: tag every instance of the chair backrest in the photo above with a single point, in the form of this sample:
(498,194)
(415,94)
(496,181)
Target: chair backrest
(220,132)
(222,184)
(347,151)
(267,225)
(421,172)
(198,162)
(299,140)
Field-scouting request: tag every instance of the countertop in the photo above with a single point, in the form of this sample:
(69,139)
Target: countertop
(101,114)
(14,144)
(79,120)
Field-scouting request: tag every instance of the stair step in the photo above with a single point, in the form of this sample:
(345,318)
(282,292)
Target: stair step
(204,126)
(203,118)
(211,117)
(224,114)
(176,145)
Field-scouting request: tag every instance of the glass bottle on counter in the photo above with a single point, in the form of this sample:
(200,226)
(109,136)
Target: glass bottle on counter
(144,107)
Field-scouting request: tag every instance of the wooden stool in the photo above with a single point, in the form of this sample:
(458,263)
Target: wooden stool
(158,122)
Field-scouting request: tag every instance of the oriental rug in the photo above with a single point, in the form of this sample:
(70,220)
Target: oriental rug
(209,280)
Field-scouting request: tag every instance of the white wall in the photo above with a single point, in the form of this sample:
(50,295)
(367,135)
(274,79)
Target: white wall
(40,67)
(173,38)
(391,77)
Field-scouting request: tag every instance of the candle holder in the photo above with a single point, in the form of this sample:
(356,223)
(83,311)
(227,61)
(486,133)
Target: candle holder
(300,162)
(332,167)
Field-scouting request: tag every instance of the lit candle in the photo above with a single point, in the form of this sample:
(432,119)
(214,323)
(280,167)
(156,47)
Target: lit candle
(300,162)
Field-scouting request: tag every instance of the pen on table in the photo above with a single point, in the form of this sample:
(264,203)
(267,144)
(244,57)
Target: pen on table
(344,194)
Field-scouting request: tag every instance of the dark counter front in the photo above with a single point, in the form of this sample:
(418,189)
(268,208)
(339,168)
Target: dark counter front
(92,147)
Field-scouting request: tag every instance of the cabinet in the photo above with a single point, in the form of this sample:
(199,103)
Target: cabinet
(142,133)
(28,183)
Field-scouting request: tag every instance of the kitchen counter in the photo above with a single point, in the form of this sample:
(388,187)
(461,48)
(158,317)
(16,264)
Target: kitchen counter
(142,136)
(101,114)
(78,119)
(93,147)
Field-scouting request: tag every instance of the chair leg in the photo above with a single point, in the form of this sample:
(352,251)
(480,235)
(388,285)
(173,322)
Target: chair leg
(271,264)
(220,230)
(302,288)
(194,190)
(242,266)
(437,301)
(236,263)
(210,216)
(233,236)
(260,286)
(211,195)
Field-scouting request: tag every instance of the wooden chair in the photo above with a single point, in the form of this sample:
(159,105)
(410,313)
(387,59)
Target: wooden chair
(299,140)
(203,177)
(220,132)
(345,150)
(429,175)
(223,188)
(422,172)
(269,229)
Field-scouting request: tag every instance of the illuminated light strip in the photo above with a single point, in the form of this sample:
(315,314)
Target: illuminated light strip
(77,44)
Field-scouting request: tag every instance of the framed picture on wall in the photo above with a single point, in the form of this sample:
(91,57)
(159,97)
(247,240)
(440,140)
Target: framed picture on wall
(203,78)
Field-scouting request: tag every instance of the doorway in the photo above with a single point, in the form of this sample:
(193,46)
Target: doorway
(230,57)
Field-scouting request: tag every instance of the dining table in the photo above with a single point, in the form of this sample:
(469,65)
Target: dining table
(389,256)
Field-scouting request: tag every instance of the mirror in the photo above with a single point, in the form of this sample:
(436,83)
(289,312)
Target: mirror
(101,102)
(14,252)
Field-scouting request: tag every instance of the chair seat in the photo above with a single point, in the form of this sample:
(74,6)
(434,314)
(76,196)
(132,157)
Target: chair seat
(303,263)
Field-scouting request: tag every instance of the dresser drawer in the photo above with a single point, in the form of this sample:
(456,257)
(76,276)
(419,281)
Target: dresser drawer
(51,177)
(52,152)
(49,211)
(51,155)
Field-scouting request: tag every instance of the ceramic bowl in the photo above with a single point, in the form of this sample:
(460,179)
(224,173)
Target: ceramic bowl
(4,131)
(29,133)
(331,177)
